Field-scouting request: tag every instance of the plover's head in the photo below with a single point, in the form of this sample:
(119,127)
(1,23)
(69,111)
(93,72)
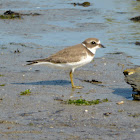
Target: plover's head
(92,44)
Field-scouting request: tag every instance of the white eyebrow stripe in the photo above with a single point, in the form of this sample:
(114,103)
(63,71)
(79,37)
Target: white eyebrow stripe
(99,42)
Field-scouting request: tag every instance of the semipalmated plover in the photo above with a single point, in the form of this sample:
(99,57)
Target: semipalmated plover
(72,57)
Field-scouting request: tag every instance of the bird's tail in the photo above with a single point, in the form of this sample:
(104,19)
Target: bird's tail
(32,62)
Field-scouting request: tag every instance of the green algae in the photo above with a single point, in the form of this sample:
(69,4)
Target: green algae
(2,85)
(84,4)
(12,16)
(26,92)
(79,102)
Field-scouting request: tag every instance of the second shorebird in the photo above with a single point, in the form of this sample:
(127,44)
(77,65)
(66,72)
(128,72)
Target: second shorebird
(72,57)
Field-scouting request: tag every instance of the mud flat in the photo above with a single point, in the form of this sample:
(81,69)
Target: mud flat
(42,114)
(34,99)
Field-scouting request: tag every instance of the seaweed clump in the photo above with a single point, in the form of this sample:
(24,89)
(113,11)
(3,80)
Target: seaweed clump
(137,43)
(2,85)
(93,81)
(26,92)
(10,15)
(80,102)
(84,4)
(137,19)
(14,15)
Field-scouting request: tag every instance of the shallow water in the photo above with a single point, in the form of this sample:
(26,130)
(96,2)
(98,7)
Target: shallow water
(65,25)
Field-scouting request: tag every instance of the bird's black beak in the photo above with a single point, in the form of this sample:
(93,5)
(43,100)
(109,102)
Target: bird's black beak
(101,46)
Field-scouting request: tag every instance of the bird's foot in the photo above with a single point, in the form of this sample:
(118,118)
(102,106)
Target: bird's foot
(78,87)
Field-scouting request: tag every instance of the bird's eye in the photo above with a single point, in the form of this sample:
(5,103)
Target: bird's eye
(93,42)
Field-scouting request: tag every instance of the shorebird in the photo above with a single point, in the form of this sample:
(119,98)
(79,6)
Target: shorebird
(72,57)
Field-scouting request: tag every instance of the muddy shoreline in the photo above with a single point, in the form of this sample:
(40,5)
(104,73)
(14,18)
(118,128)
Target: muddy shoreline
(41,114)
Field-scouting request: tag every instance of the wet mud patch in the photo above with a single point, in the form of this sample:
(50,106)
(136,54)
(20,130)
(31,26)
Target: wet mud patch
(26,45)
(134,115)
(12,127)
(17,48)
(117,53)
(91,26)
(49,82)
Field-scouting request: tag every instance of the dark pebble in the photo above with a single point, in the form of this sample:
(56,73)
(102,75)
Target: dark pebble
(136,19)
(137,43)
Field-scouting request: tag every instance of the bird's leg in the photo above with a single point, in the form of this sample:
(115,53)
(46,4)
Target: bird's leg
(72,83)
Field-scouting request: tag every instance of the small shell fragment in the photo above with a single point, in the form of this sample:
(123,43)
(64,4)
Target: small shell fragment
(119,103)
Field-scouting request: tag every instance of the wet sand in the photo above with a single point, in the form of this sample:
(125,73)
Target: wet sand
(41,114)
